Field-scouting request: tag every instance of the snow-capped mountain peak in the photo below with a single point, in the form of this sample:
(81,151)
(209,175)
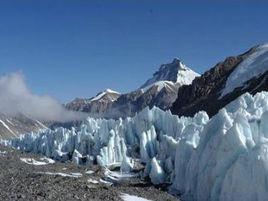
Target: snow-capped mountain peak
(96,104)
(161,91)
(108,93)
(175,72)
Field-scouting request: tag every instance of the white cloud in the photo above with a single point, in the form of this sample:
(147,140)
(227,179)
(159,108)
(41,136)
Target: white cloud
(16,98)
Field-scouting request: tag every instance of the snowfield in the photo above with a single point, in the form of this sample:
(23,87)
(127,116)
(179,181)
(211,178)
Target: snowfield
(254,65)
(219,159)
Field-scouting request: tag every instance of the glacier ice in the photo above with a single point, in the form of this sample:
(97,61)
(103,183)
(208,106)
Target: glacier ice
(113,141)
(219,159)
(157,174)
(230,161)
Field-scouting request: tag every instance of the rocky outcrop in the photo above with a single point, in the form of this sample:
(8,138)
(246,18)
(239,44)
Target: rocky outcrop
(133,102)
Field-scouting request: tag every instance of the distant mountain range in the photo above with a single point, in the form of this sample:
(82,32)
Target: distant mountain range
(160,90)
(174,86)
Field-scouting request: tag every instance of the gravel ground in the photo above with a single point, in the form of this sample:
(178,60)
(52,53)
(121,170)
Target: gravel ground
(21,181)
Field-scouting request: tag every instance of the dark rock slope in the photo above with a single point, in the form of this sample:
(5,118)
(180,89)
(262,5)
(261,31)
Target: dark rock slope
(205,92)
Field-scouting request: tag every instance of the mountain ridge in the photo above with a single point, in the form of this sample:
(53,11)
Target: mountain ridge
(205,92)
(159,90)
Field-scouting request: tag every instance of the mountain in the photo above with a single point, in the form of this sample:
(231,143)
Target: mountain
(160,90)
(97,105)
(175,72)
(14,126)
(224,82)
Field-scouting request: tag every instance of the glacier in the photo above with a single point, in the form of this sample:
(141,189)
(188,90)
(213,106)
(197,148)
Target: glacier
(219,159)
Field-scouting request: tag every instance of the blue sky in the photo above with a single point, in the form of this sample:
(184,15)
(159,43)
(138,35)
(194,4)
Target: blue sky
(77,48)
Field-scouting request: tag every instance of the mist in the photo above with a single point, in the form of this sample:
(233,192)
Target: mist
(16,98)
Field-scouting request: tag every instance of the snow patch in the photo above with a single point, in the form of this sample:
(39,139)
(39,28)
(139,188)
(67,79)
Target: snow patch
(92,181)
(3,153)
(90,172)
(127,197)
(73,175)
(42,161)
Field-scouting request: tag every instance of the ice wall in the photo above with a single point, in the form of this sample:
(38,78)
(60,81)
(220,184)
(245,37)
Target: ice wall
(230,161)
(221,159)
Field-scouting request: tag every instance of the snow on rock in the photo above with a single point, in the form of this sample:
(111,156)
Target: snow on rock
(253,66)
(106,182)
(127,197)
(160,85)
(92,181)
(116,176)
(90,172)
(42,161)
(100,95)
(221,159)
(174,72)
(73,175)
(3,153)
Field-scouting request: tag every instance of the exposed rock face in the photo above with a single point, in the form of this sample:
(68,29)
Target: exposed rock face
(13,126)
(205,92)
(160,90)
(133,102)
(96,105)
